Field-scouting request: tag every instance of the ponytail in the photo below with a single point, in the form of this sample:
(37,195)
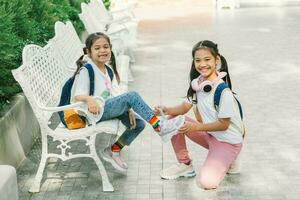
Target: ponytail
(80,62)
(191,93)
(112,63)
(224,68)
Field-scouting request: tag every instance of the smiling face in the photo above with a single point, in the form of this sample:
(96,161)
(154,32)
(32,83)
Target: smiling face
(205,63)
(100,51)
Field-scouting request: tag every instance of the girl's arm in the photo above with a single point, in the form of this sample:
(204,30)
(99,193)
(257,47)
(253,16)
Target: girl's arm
(93,106)
(180,109)
(225,112)
(81,88)
(197,113)
(221,124)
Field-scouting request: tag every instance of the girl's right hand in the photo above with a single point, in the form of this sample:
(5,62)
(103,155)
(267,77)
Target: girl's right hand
(158,109)
(93,106)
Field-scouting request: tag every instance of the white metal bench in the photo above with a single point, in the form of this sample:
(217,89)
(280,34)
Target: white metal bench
(127,5)
(93,22)
(118,14)
(123,16)
(97,20)
(67,42)
(41,77)
(118,34)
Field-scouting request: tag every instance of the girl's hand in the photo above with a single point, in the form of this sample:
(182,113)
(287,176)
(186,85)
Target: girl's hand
(132,119)
(93,106)
(188,127)
(157,110)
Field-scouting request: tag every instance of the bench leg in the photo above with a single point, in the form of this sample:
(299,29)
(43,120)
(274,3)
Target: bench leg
(130,76)
(132,60)
(39,175)
(129,52)
(107,186)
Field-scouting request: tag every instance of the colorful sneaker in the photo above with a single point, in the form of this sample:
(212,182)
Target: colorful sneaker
(169,127)
(178,170)
(115,159)
(234,167)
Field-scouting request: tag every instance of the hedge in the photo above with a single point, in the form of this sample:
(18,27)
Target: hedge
(26,22)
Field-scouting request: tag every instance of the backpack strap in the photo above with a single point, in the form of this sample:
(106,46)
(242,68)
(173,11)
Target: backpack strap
(66,92)
(92,78)
(217,97)
(218,93)
(65,97)
(240,107)
(110,72)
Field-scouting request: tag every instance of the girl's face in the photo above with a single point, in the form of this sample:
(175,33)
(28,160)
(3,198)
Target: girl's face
(205,63)
(100,51)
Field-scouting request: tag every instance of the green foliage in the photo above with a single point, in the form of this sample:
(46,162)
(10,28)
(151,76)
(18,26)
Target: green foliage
(10,47)
(106,3)
(76,3)
(26,22)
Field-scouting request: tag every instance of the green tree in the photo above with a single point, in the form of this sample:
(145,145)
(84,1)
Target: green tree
(26,22)
(106,3)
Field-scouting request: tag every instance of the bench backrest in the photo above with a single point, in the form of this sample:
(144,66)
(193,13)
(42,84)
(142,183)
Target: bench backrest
(67,42)
(41,77)
(90,20)
(92,23)
(100,10)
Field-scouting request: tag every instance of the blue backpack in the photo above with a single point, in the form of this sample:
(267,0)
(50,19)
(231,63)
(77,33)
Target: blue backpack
(217,97)
(66,90)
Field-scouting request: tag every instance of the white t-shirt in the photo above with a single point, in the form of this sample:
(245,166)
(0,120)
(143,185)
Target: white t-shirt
(228,108)
(103,87)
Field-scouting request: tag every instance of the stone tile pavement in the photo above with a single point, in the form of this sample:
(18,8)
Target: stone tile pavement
(262,48)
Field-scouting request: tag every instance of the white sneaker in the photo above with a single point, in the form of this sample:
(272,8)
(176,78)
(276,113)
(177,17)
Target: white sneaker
(115,159)
(234,168)
(169,127)
(178,170)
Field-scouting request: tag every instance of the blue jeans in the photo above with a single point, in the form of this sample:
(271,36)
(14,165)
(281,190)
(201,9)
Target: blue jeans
(117,107)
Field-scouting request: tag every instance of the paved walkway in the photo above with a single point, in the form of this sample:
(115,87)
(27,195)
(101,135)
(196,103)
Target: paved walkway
(262,48)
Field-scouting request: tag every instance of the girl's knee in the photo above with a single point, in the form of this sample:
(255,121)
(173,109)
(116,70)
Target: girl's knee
(140,125)
(133,94)
(207,183)
(208,179)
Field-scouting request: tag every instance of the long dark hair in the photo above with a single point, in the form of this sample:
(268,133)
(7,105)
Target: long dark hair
(213,48)
(88,45)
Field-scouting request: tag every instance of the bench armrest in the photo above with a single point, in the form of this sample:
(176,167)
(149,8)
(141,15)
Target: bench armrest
(61,108)
(73,105)
(78,106)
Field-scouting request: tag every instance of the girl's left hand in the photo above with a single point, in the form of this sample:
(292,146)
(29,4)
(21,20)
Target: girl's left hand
(132,119)
(187,127)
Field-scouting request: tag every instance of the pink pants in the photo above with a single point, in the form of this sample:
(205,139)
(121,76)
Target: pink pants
(219,158)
